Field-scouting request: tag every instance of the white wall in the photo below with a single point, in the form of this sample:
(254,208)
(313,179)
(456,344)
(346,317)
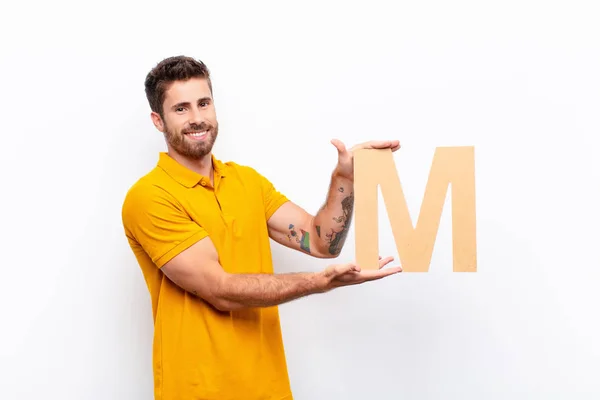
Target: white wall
(516,79)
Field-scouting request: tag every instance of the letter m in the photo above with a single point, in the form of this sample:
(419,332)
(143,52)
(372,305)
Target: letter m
(453,166)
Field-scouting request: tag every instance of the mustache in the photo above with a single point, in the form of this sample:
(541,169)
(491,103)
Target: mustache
(198,127)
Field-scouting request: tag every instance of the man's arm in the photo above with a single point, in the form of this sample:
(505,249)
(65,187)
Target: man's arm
(322,235)
(197,270)
(184,252)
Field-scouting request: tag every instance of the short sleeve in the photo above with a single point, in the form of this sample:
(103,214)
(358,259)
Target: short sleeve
(272,198)
(156,221)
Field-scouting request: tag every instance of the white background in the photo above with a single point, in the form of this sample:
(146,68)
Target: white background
(516,79)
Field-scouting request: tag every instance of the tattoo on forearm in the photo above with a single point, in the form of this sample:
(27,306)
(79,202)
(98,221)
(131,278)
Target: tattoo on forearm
(337,238)
(303,240)
(334,233)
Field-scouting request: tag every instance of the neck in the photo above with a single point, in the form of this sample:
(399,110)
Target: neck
(202,166)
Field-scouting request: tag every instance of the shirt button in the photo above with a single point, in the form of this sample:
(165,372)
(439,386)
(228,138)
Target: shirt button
(203,183)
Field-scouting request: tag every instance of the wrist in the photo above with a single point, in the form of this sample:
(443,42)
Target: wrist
(322,281)
(340,175)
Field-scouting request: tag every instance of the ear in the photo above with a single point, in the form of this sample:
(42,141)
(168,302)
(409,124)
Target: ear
(157,121)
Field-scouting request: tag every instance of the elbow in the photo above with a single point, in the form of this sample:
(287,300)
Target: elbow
(219,303)
(225,305)
(326,255)
(332,253)
(325,252)
(218,297)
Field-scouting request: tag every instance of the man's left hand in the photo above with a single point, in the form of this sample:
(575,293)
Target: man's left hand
(345,166)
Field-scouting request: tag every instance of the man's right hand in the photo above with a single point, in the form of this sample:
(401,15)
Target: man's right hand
(338,275)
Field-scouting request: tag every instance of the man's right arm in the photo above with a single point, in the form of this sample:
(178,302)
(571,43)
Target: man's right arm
(184,252)
(197,270)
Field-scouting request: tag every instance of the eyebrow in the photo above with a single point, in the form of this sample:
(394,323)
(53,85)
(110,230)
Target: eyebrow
(186,104)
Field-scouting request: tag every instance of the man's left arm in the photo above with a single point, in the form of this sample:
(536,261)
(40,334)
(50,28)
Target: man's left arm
(323,235)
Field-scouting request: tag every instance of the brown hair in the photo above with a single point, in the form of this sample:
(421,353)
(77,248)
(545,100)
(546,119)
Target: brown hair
(169,70)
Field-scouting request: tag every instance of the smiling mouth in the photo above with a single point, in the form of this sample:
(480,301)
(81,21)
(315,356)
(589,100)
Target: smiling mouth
(197,135)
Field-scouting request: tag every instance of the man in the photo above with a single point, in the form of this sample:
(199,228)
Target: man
(200,230)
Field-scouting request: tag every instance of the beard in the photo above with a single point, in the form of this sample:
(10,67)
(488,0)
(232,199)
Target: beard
(190,148)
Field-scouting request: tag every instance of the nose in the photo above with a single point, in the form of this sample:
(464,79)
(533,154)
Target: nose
(196,117)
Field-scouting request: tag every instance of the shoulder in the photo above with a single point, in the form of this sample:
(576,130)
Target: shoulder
(146,195)
(144,189)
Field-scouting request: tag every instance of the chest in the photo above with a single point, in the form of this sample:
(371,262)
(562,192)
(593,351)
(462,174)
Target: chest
(232,212)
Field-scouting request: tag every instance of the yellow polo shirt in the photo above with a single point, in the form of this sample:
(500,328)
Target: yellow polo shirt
(198,351)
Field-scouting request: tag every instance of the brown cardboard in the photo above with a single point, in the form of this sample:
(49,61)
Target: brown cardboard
(452,168)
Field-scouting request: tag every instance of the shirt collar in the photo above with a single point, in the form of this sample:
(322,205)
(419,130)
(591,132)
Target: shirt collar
(184,175)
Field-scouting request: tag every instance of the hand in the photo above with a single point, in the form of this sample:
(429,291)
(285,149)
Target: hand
(350,274)
(345,166)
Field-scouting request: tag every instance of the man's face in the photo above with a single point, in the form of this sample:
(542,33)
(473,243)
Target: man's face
(190,122)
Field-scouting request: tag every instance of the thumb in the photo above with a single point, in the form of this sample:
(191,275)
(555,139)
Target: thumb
(335,270)
(346,268)
(339,146)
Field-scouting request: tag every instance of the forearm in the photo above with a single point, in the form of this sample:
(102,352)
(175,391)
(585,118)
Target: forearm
(264,290)
(333,220)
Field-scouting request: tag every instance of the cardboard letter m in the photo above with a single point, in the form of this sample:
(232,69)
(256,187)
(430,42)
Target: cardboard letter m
(452,167)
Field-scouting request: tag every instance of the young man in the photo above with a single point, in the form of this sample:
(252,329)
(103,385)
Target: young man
(200,230)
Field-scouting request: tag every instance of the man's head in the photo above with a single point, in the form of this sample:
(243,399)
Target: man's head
(179,91)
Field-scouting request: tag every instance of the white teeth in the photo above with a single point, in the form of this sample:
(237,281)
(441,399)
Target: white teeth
(197,134)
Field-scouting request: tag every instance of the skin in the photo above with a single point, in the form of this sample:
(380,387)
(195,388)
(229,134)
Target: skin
(189,107)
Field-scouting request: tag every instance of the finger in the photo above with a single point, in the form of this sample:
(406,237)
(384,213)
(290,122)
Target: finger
(385,144)
(339,146)
(347,268)
(385,271)
(390,271)
(385,261)
(371,275)
(375,146)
